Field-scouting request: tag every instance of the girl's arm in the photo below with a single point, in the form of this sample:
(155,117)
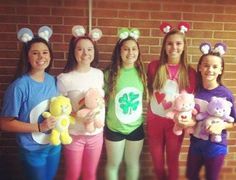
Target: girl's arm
(218,127)
(14,125)
(229,125)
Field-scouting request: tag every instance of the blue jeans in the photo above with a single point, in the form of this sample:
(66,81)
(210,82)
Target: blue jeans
(41,164)
(205,153)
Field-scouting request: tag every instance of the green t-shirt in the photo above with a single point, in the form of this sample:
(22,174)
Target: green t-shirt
(125,109)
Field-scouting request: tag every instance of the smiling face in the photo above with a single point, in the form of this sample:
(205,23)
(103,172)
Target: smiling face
(84,52)
(174,48)
(39,57)
(129,53)
(210,68)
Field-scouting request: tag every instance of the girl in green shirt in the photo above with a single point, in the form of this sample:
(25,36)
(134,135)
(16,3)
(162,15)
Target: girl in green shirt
(125,86)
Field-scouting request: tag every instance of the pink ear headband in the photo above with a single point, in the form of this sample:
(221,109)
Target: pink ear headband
(220,48)
(182,26)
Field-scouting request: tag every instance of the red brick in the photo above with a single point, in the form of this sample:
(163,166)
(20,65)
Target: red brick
(75,20)
(46,3)
(44,20)
(166,15)
(76,3)
(105,13)
(68,11)
(178,7)
(208,26)
(111,4)
(33,10)
(133,15)
(13,19)
(197,17)
(224,18)
(145,24)
(209,9)
(7,10)
(113,22)
(13,2)
(152,6)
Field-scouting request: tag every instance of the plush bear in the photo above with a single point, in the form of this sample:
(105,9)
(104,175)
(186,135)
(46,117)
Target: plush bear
(60,107)
(183,109)
(218,110)
(93,104)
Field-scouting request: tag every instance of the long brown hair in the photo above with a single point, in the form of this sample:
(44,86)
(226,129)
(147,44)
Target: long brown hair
(199,76)
(116,64)
(162,73)
(24,65)
(71,60)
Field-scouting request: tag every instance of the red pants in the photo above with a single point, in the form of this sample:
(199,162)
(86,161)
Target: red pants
(164,146)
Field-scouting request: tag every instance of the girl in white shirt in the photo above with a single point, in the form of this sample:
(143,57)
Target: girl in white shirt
(83,154)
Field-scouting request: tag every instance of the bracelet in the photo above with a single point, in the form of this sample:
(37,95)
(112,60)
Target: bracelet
(39,127)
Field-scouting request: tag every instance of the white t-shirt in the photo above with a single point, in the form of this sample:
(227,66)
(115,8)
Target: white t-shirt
(74,85)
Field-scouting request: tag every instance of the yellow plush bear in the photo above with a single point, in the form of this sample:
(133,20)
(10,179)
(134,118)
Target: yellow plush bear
(60,107)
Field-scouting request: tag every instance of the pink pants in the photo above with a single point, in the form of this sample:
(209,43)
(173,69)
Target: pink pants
(82,157)
(164,146)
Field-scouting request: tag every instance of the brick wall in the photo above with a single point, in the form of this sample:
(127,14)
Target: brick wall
(211,20)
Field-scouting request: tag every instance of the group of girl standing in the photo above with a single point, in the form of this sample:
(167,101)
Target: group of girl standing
(125,86)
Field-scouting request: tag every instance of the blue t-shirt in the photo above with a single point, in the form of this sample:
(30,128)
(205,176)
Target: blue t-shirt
(26,99)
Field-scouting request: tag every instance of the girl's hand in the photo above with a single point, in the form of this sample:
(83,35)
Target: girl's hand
(87,118)
(47,124)
(187,123)
(216,128)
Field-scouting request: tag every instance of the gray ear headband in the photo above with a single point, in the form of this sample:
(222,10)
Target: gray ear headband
(25,34)
(220,48)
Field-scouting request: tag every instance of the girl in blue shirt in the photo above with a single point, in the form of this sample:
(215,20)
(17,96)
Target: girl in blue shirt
(25,100)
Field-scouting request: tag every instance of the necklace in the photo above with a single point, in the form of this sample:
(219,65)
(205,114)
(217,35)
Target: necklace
(173,71)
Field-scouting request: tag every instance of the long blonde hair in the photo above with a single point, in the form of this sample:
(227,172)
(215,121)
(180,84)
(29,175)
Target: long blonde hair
(162,73)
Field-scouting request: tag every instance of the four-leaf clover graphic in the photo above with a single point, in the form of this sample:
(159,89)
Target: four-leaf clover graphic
(129,102)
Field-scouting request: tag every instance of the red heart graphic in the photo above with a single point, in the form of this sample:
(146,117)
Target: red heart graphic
(159,97)
(166,105)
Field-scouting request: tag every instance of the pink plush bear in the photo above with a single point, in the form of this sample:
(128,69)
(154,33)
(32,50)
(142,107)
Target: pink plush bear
(218,110)
(94,103)
(183,109)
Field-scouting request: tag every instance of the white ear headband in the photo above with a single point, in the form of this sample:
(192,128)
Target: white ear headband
(205,48)
(220,48)
(25,34)
(79,31)
(45,32)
